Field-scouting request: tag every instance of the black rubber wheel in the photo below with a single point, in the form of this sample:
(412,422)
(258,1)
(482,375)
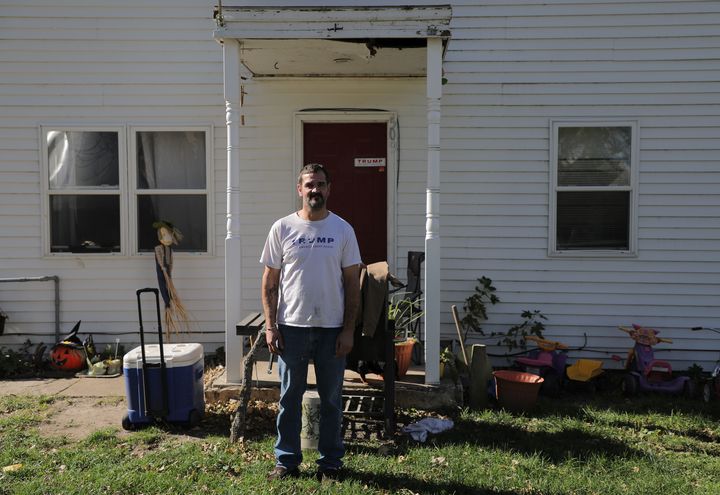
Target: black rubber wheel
(573,386)
(551,384)
(127,424)
(689,389)
(707,392)
(629,385)
(194,419)
(602,382)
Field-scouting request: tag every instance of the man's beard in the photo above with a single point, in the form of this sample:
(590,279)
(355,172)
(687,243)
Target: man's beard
(316,201)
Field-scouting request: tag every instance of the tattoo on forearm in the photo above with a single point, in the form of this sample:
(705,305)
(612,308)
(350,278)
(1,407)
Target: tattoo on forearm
(270,301)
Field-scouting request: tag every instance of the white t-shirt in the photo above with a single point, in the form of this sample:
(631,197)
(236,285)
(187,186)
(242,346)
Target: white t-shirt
(311,256)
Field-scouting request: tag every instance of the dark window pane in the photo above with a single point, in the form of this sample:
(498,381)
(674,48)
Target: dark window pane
(170,159)
(594,156)
(188,212)
(82,159)
(593,220)
(84,224)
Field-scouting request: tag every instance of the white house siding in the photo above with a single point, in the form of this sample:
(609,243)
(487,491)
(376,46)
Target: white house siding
(512,67)
(102,63)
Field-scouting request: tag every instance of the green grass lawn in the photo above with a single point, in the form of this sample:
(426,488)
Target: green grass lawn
(600,445)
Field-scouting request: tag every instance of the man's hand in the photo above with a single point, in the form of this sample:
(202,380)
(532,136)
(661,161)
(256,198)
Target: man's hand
(344,343)
(274,340)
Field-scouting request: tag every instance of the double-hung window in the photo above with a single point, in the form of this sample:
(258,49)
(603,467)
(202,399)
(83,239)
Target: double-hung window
(170,184)
(105,191)
(593,188)
(85,188)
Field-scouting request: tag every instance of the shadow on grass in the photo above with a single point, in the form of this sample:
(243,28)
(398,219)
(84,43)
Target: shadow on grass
(642,406)
(395,484)
(216,424)
(554,446)
(568,442)
(616,402)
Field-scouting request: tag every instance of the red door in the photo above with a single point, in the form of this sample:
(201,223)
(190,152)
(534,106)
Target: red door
(355,154)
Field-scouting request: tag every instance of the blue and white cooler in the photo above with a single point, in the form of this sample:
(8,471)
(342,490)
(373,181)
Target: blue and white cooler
(181,399)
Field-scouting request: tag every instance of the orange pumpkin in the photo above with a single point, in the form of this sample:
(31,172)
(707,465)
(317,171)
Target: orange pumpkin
(67,357)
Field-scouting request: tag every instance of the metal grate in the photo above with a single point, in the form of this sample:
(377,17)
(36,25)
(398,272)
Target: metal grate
(363,417)
(363,405)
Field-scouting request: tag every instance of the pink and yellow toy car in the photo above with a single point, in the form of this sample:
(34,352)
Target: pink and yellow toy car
(644,372)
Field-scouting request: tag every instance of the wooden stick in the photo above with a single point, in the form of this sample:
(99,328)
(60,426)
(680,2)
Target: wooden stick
(237,428)
(459,332)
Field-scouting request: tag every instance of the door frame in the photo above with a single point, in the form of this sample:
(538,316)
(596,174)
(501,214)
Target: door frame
(391,170)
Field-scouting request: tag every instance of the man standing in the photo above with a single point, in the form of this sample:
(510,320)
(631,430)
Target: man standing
(310,295)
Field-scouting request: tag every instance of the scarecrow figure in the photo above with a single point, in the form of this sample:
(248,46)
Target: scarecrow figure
(175,312)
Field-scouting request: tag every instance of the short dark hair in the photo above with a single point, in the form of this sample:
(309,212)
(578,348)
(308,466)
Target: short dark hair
(313,168)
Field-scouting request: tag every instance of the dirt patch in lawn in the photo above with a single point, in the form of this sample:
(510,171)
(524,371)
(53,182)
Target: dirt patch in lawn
(77,417)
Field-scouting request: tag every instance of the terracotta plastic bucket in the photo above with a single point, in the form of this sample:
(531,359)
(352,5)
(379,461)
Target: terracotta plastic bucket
(516,390)
(403,356)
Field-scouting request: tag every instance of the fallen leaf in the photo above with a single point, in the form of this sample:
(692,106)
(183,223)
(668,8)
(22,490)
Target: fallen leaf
(439,461)
(12,468)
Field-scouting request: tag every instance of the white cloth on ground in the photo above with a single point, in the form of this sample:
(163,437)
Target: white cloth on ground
(420,429)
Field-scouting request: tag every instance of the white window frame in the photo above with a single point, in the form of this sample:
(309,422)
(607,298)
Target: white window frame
(632,188)
(47,191)
(134,192)
(127,186)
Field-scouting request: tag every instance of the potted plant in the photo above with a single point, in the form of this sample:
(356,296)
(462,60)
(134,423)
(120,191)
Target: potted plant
(448,365)
(403,317)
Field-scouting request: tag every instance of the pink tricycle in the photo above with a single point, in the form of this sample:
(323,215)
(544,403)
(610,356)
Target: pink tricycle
(647,374)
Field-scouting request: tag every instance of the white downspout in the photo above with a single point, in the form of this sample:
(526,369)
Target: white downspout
(432,213)
(233,245)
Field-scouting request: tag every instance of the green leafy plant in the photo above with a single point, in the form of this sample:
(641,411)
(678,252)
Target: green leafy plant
(532,324)
(112,352)
(695,372)
(448,360)
(404,313)
(476,306)
(16,363)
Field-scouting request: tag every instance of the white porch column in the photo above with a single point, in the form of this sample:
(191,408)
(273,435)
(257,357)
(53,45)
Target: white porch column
(432,213)
(233,246)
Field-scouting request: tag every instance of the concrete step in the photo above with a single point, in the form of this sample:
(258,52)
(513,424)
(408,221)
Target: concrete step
(410,390)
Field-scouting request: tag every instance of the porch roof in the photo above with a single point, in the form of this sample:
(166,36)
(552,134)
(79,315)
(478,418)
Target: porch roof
(333,41)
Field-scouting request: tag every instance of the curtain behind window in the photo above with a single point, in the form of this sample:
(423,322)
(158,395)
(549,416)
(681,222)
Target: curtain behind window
(82,162)
(172,160)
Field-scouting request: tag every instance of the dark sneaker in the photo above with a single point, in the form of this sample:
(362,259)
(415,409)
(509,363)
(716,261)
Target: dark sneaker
(281,472)
(324,474)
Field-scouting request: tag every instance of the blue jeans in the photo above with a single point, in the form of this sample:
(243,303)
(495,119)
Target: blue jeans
(301,345)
